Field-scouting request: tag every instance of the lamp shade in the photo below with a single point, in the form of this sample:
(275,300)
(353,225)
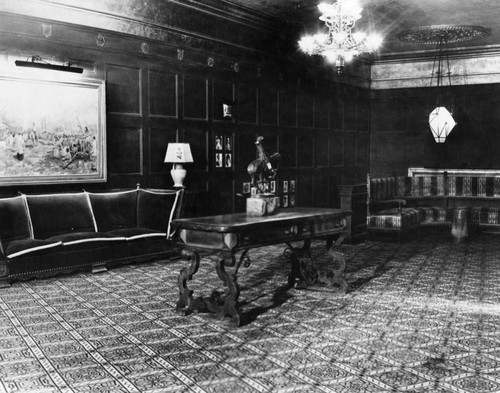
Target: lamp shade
(178,153)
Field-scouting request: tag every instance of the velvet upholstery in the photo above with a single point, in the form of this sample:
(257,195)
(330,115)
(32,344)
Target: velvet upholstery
(150,202)
(123,213)
(57,214)
(14,221)
(43,235)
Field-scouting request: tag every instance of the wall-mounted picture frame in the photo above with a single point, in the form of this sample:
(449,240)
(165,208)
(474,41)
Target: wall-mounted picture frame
(292,186)
(291,200)
(228,160)
(218,142)
(272,187)
(228,143)
(218,160)
(285,200)
(285,186)
(246,188)
(52,131)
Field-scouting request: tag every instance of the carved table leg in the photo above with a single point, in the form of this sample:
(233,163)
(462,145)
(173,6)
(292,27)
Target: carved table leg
(336,278)
(186,274)
(229,302)
(302,268)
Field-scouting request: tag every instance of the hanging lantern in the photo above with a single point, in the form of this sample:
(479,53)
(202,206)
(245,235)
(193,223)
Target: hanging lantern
(441,123)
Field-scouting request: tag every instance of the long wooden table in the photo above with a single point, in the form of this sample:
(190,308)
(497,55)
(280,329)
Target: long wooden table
(223,236)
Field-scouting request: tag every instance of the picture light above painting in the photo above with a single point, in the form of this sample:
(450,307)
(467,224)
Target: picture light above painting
(52,131)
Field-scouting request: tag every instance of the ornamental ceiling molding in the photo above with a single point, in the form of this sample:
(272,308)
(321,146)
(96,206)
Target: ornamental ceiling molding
(55,10)
(415,73)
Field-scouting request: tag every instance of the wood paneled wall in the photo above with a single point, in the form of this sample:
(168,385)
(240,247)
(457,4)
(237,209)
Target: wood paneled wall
(320,127)
(401,138)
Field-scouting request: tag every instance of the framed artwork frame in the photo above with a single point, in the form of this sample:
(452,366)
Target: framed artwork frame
(52,131)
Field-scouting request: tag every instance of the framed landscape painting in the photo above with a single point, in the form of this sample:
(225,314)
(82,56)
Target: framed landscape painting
(52,132)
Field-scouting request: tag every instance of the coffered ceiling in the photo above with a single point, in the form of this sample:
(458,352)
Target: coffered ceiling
(390,17)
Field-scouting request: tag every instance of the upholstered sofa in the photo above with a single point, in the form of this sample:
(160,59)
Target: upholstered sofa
(42,235)
(431,197)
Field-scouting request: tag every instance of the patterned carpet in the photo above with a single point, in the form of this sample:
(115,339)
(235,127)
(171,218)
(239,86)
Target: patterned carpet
(420,316)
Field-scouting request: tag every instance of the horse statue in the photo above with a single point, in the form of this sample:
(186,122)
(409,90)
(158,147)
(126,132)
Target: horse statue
(264,167)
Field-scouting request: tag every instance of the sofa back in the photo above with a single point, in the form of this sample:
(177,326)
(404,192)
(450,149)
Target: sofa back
(157,208)
(455,182)
(114,210)
(137,208)
(436,182)
(56,214)
(14,220)
(48,215)
(384,188)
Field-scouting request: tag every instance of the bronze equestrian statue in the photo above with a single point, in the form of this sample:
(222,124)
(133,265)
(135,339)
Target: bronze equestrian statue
(264,167)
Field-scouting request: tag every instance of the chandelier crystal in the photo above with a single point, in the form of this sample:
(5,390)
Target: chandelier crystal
(340,44)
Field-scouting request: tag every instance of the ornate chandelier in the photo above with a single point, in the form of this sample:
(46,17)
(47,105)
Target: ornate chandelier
(441,121)
(340,44)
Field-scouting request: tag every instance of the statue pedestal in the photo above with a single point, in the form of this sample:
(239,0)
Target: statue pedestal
(262,204)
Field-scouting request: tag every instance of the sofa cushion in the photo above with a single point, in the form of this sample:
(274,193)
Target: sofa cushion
(20,247)
(56,214)
(157,208)
(14,219)
(131,234)
(114,210)
(486,215)
(436,214)
(394,219)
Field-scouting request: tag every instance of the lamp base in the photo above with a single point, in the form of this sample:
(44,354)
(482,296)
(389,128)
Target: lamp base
(178,176)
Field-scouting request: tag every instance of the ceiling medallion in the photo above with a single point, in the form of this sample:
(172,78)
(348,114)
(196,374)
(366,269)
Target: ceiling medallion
(449,34)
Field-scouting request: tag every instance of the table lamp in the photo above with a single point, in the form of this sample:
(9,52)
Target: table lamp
(178,154)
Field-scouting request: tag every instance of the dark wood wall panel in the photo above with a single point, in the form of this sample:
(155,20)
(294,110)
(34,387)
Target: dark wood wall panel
(306,152)
(124,150)
(269,106)
(163,94)
(123,89)
(336,149)
(401,138)
(247,103)
(321,194)
(322,105)
(305,188)
(195,97)
(288,149)
(159,139)
(321,144)
(223,92)
(199,143)
(305,109)
(288,108)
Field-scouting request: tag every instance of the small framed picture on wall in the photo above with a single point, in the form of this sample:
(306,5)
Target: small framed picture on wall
(218,142)
(229,143)
(285,186)
(228,160)
(285,200)
(292,185)
(218,160)
(291,200)
(273,186)
(246,188)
